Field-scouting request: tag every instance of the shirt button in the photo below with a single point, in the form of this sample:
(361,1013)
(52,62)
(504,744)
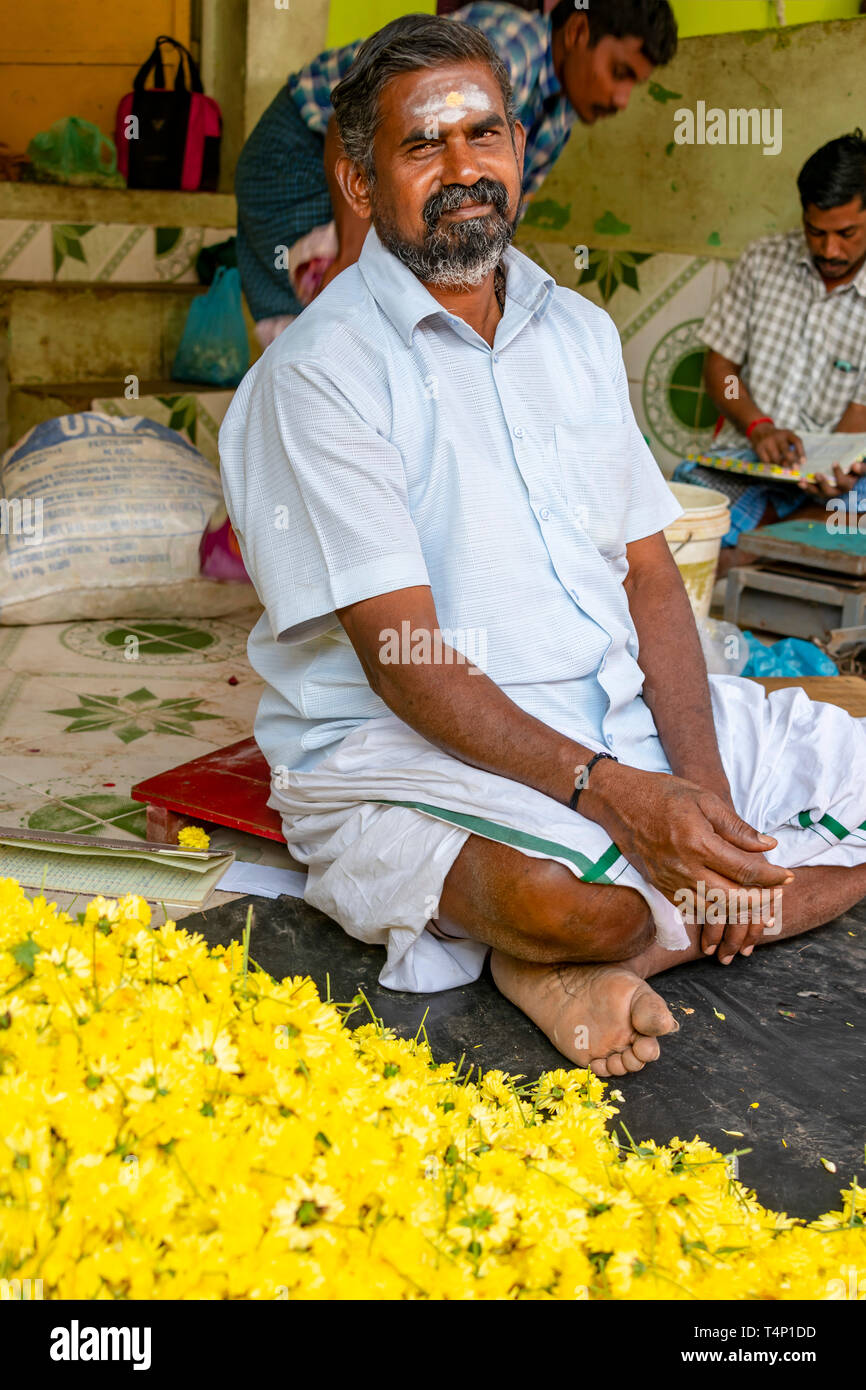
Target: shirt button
(544,513)
(518,431)
(608,740)
(496,357)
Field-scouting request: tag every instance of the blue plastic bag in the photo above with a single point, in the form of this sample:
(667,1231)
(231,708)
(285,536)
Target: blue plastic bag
(789,657)
(214,348)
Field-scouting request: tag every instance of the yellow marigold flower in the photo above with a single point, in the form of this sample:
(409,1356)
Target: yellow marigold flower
(193,837)
(141,1067)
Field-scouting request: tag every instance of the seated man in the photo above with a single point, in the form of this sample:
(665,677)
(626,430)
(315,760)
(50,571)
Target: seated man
(574,64)
(787,339)
(456,529)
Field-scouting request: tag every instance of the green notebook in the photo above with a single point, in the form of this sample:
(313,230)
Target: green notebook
(81,864)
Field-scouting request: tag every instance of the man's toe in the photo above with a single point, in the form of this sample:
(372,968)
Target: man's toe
(631,1061)
(645,1049)
(650,1014)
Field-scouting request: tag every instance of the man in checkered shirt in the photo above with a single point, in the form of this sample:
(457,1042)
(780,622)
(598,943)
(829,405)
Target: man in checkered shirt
(580,62)
(787,341)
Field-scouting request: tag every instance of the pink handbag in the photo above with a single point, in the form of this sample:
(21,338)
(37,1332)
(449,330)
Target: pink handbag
(168,137)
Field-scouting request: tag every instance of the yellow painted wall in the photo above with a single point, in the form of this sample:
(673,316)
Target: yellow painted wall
(76,58)
(347,20)
(730,16)
(350,20)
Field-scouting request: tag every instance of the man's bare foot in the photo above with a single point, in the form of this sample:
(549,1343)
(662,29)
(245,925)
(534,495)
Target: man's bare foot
(599,1016)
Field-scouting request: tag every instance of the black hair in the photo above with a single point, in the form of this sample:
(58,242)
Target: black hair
(835,174)
(407,44)
(651,21)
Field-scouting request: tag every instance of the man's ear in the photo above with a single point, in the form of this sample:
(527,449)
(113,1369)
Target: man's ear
(353,186)
(520,146)
(575,31)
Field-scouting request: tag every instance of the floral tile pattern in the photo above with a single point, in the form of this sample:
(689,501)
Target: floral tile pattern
(94,813)
(134,715)
(81,723)
(102,252)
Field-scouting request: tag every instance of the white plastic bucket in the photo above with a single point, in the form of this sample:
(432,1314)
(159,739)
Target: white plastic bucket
(695,540)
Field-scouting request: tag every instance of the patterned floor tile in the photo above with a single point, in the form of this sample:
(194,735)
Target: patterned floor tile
(181,649)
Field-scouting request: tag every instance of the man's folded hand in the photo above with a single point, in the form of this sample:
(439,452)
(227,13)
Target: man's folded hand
(691,845)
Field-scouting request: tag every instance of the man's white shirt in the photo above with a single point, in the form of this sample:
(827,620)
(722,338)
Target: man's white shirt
(380,443)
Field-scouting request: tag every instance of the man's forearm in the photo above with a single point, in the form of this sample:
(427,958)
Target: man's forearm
(460,710)
(740,409)
(675,673)
(455,706)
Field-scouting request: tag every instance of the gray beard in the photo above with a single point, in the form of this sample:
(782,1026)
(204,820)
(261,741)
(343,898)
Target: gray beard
(458,257)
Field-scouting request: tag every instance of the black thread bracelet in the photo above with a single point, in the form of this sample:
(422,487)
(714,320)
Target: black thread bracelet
(583,776)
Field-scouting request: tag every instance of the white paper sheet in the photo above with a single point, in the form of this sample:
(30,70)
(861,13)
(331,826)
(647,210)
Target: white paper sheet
(261,880)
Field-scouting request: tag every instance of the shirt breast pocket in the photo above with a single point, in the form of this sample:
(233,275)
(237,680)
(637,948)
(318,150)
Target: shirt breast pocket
(835,385)
(593,475)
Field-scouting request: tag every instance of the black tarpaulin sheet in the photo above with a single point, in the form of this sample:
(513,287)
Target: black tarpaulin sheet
(783,1066)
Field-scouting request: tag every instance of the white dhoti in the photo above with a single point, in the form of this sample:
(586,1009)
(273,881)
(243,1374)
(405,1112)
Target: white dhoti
(381,820)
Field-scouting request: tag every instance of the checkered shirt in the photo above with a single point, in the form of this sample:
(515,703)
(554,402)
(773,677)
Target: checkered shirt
(523,42)
(777,320)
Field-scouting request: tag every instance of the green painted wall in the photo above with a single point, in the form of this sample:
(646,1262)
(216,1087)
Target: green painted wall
(625,183)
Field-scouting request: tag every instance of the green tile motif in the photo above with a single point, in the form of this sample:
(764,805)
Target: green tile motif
(66,238)
(687,395)
(136,714)
(95,813)
(184,414)
(610,269)
(166,239)
(160,638)
(676,409)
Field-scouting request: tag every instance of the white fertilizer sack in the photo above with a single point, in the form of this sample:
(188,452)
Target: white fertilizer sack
(101,517)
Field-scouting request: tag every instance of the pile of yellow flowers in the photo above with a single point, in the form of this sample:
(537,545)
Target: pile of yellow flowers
(176,1124)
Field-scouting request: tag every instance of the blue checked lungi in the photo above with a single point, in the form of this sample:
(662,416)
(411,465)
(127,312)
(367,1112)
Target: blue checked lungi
(282,194)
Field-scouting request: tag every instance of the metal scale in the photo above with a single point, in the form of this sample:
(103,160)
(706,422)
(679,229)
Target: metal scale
(805,580)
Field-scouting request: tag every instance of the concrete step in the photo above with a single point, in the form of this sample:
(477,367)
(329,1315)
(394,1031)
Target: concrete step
(82,333)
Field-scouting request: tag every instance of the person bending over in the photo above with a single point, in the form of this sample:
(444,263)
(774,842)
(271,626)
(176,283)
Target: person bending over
(296,231)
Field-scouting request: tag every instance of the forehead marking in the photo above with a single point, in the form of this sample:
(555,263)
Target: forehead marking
(451,106)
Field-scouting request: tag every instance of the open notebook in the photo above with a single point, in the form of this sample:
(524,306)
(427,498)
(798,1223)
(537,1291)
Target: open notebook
(82,864)
(823,450)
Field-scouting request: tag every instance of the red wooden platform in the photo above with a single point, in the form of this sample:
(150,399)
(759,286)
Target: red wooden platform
(227,787)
